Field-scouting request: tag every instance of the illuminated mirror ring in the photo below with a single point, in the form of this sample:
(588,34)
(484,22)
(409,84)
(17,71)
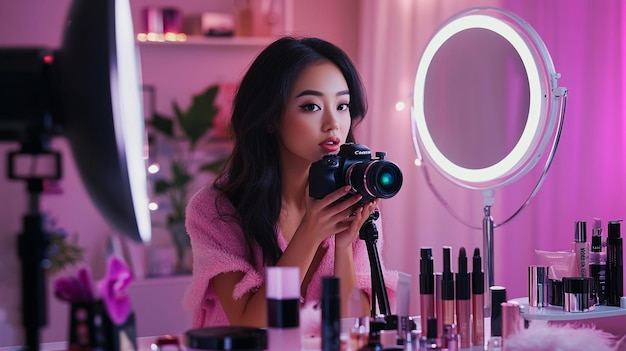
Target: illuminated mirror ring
(541,111)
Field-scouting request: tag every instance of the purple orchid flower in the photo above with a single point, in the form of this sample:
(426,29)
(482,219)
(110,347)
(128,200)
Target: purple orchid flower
(112,289)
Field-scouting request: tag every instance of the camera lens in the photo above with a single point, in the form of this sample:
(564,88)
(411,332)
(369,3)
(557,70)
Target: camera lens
(386,179)
(375,178)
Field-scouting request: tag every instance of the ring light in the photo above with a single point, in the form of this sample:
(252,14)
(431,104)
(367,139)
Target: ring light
(539,124)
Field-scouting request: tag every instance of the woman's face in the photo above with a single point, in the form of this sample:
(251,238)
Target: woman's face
(316,120)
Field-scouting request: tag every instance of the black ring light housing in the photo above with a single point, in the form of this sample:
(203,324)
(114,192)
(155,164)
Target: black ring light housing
(89,91)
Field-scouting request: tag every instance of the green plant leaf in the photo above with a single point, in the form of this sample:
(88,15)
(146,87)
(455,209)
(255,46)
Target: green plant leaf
(180,176)
(162,186)
(162,124)
(199,117)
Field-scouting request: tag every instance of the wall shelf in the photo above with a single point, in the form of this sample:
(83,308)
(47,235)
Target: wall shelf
(213,41)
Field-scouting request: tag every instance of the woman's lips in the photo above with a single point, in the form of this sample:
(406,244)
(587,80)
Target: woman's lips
(330,145)
(330,148)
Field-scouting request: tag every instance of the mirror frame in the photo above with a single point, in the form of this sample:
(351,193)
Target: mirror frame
(542,112)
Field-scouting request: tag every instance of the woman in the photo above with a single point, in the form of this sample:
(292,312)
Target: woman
(298,101)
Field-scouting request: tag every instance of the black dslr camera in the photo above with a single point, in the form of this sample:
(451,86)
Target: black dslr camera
(353,165)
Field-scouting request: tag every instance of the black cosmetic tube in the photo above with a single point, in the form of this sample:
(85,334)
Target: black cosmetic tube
(597,263)
(614,265)
(331,317)
(498,296)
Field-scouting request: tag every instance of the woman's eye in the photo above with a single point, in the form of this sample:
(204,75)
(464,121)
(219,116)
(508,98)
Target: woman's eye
(343,107)
(310,107)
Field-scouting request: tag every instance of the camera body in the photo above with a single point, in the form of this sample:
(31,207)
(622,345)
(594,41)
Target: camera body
(353,165)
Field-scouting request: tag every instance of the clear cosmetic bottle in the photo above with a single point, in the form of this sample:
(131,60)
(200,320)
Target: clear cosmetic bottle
(581,248)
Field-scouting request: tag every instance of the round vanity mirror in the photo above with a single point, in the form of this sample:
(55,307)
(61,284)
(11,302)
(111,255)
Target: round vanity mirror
(486,105)
(485,98)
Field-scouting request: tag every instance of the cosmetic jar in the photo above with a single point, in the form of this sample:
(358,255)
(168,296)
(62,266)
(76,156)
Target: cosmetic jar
(538,286)
(555,292)
(226,338)
(577,294)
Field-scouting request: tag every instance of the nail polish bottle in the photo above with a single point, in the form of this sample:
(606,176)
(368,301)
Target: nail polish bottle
(453,339)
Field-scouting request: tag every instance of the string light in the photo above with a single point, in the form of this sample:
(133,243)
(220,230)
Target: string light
(400,106)
(161,37)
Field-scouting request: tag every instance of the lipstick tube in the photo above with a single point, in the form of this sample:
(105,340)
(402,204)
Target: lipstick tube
(463,302)
(447,289)
(478,300)
(439,308)
(427,287)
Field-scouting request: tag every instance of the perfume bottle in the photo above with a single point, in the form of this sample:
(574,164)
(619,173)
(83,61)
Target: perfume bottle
(452,338)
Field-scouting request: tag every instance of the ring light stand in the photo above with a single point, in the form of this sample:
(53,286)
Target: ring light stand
(544,121)
(34,241)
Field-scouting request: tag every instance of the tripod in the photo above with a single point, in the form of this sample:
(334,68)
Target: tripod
(41,164)
(369,234)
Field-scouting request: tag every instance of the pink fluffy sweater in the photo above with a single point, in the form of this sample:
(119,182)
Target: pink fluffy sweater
(219,246)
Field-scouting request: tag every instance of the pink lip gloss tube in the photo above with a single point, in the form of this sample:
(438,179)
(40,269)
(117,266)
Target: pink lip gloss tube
(427,287)
(447,288)
(463,302)
(478,300)
(283,308)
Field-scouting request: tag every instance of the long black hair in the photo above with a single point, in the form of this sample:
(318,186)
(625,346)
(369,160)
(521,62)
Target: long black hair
(251,178)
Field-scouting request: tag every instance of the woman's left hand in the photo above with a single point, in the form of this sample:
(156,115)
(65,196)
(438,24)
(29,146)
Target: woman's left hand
(345,238)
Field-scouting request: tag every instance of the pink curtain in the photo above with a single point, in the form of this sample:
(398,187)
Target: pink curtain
(587,43)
